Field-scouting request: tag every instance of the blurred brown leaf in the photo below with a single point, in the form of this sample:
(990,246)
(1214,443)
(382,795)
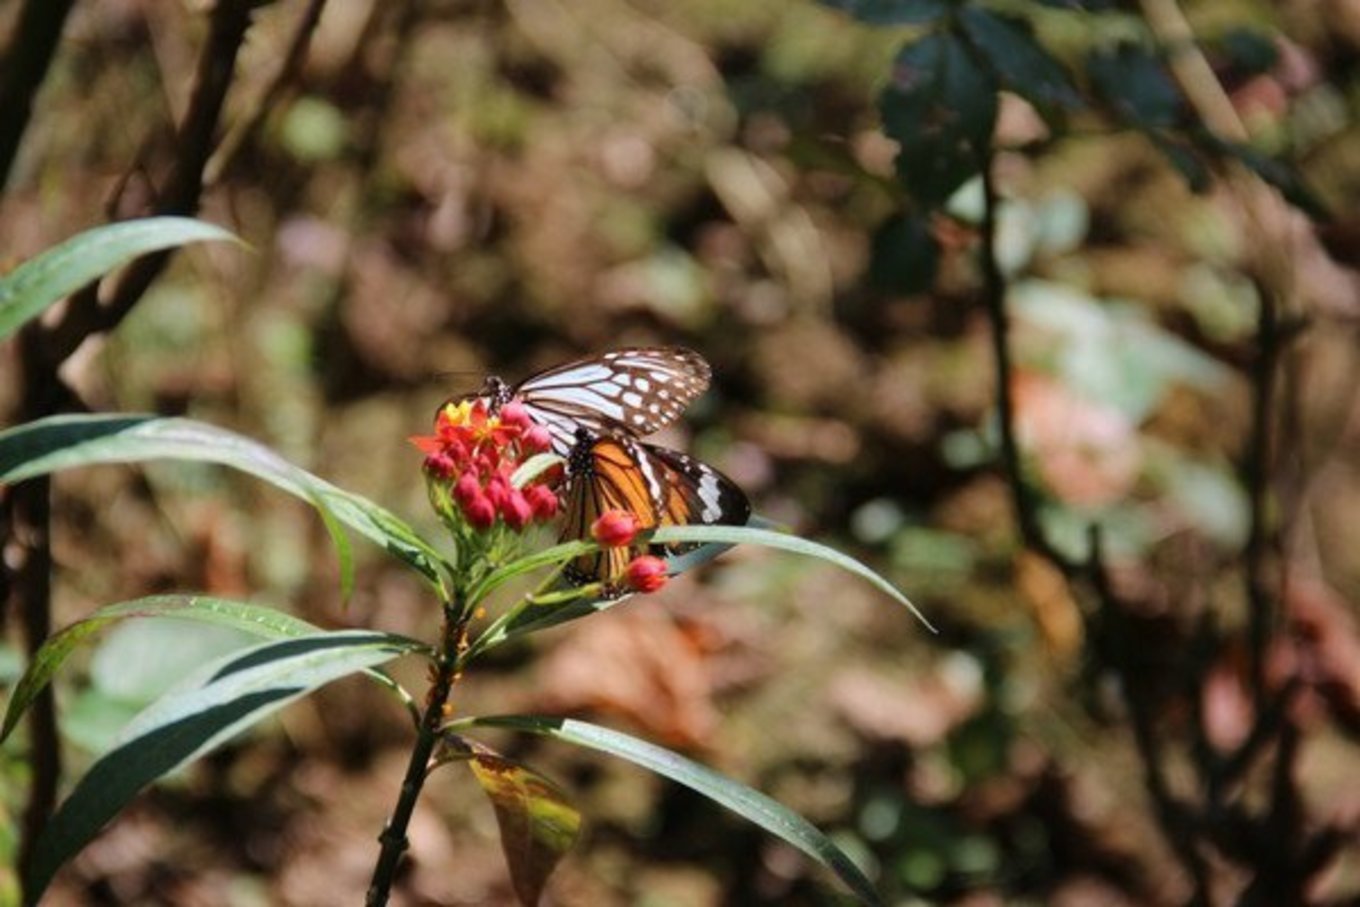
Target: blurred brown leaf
(636,663)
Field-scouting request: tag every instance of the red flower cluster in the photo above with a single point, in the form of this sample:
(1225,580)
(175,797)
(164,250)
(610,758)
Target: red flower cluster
(476,453)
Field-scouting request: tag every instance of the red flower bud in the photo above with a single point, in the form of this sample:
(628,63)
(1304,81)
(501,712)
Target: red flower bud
(480,512)
(536,439)
(516,510)
(441,465)
(499,489)
(646,573)
(542,501)
(614,528)
(515,415)
(467,489)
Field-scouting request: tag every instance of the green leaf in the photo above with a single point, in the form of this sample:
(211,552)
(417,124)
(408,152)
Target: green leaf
(534,467)
(537,821)
(1021,63)
(548,557)
(892,12)
(65,442)
(239,691)
(905,255)
(740,535)
(940,106)
(749,804)
(1136,84)
(254,619)
(57,273)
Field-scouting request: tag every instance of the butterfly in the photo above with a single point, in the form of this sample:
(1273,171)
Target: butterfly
(660,487)
(628,392)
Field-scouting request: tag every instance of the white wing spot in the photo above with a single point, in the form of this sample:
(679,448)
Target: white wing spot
(643,385)
(632,399)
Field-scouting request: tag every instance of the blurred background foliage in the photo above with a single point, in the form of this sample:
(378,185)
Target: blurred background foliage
(450,189)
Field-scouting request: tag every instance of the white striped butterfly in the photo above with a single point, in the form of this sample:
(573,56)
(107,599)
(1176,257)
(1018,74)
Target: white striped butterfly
(628,392)
(660,487)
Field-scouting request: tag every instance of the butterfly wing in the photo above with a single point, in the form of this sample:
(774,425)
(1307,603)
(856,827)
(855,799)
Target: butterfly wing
(607,473)
(660,487)
(695,493)
(633,391)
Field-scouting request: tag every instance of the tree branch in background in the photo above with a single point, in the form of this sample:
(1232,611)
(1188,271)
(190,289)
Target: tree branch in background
(194,140)
(1175,817)
(27,59)
(1256,472)
(244,134)
(42,352)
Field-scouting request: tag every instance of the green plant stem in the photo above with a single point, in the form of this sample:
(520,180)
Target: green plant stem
(393,839)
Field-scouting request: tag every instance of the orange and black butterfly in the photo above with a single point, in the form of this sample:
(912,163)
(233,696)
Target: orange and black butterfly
(629,392)
(660,487)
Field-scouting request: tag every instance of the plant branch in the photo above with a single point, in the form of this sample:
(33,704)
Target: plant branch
(1175,818)
(393,839)
(1256,470)
(244,133)
(27,59)
(41,353)
(87,314)
(994,298)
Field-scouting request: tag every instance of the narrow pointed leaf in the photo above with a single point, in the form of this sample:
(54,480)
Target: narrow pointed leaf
(57,273)
(750,804)
(750,535)
(65,442)
(548,557)
(537,821)
(228,697)
(253,619)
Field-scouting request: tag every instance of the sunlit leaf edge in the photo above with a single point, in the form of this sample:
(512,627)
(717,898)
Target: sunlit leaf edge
(54,274)
(190,721)
(68,441)
(257,620)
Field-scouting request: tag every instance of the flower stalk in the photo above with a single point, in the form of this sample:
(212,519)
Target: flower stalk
(393,838)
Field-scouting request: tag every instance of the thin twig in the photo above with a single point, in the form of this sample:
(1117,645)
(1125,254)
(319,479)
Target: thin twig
(27,59)
(1175,818)
(1256,471)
